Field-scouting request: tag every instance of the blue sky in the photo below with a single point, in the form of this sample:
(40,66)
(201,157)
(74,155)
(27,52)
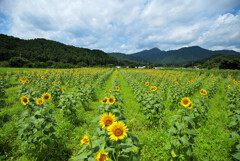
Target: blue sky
(125,26)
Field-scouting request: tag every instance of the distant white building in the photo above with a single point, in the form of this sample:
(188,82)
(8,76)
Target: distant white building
(118,67)
(142,67)
(157,67)
(195,67)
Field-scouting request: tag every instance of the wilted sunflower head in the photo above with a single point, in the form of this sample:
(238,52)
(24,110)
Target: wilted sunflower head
(39,101)
(107,119)
(85,140)
(105,100)
(153,88)
(111,100)
(46,96)
(117,130)
(101,156)
(204,92)
(201,91)
(185,101)
(190,105)
(24,100)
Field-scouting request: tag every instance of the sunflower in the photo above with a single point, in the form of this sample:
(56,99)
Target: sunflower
(229,86)
(202,91)
(46,96)
(27,81)
(115,77)
(107,119)
(86,85)
(59,82)
(185,101)
(63,89)
(85,140)
(105,100)
(146,83)
(38,75)
(39,101)
(101,156)
(111,100)
(53,83)
(24,100)
(42,77)
(110,90)
(117,130)
(117,88)
(137,82)
(20,81)
(190,105)
(153,88)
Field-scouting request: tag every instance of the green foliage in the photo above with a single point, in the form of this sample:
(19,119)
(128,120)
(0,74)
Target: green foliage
(183,131)
(41,50)
(18,61)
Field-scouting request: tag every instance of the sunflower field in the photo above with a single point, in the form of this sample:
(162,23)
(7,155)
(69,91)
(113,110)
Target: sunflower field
(113,114)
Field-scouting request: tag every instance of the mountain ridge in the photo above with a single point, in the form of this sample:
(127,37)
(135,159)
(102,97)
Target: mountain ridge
(179,56)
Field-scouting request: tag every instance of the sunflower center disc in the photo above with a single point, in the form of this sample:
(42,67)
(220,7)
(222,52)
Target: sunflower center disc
(102,157)
(118,132)
(108,122)
(185,102)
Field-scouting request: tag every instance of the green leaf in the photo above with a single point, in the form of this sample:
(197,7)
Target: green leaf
(173,154)
(238,146)
(172,130)
(96,119)
(85,147)
(82,156)
(237,156)
(191,131)
(184,139)
(180,126)
(97,142)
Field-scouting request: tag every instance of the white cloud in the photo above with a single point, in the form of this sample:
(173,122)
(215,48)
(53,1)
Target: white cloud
(127,26)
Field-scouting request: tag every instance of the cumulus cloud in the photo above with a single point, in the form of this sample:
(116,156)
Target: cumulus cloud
(126,26)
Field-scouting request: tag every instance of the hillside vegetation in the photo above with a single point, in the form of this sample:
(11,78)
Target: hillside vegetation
(43,53)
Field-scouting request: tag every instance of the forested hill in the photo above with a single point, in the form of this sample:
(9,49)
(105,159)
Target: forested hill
(181,56)
(42,50)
